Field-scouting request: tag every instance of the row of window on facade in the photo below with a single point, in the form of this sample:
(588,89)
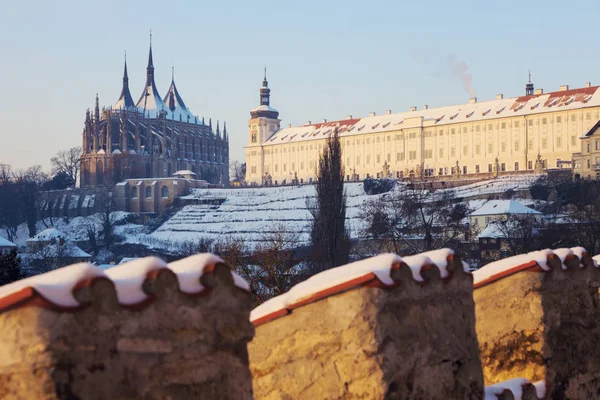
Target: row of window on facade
(428,154)
(441,171)
(164,192)
(503,148)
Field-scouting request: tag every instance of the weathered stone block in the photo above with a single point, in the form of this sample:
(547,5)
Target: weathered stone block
(364,339)
(159,332)
(541,322)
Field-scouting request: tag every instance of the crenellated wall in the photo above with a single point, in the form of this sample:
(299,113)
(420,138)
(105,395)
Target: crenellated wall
(538,317)
(389,327)
(386,327)
(142,330)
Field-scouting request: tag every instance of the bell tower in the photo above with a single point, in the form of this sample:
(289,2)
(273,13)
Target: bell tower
(263,123)
(529,86)
(264,120)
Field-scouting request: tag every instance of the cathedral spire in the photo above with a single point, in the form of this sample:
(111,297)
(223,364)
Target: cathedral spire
(150,100)
(218,130)
(125,100)
(97,109)
(150,67)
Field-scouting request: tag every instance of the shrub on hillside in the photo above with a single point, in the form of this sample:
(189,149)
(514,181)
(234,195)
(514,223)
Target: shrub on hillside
(378,186)
(540,190)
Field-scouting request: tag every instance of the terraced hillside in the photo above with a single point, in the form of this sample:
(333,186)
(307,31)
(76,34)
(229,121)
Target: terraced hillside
(251,213)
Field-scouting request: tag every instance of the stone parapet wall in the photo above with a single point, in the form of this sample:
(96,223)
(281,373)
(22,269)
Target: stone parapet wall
(144,330)
(401,328)
(540,320)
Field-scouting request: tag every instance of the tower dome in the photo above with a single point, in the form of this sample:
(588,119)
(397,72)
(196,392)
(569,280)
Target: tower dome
(265,110)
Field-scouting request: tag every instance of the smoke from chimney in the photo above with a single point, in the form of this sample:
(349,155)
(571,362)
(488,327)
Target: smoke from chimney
(461,70)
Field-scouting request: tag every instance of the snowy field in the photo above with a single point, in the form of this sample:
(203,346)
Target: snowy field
(250,214)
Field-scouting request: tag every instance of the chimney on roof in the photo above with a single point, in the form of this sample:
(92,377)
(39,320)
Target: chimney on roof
(413,108)
(324,120)
(539,91)
(388,112)
(371,114)
(289,125)
(308,122)
(349,116)
(588,84)
(473,100)
(499,96)
(425,107)
(564,88)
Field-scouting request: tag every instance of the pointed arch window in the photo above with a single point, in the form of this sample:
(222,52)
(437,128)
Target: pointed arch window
(134,193)
(148,192)
(164,192)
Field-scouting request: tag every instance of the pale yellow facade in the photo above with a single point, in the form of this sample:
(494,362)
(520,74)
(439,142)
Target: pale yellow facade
(425,145)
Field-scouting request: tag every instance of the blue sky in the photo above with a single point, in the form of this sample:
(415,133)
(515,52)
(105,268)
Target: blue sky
(325,59)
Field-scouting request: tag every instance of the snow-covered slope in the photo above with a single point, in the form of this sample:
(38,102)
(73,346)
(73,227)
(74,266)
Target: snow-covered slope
(253,213)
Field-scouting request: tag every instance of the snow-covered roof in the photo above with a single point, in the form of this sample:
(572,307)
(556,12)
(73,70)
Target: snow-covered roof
(175,103)
(478,111)
(184,172)
(501,207)
(6,243)
(335,280)
(494,230)
(264,108)
(125,100)
(151,103)
(67,249)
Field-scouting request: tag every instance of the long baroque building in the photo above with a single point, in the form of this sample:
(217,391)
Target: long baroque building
(507,135)
(152,138)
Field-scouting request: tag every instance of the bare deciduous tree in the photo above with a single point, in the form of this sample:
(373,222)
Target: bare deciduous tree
(237,171)
(68,162)
(415,219)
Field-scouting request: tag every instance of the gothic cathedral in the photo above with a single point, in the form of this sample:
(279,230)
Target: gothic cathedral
(152,138)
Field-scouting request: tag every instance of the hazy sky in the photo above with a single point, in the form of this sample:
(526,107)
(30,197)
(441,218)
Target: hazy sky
(325,59)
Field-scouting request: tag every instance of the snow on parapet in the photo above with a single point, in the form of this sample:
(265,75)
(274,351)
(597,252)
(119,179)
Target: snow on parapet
(355,274)
(56,287)
(190,270)
(129,278)
(515,386)
(508,266)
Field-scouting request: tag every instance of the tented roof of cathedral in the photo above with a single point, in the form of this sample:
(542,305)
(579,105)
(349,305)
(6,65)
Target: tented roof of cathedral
(563,100)
(150,101)
(176,105)
(125,100)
